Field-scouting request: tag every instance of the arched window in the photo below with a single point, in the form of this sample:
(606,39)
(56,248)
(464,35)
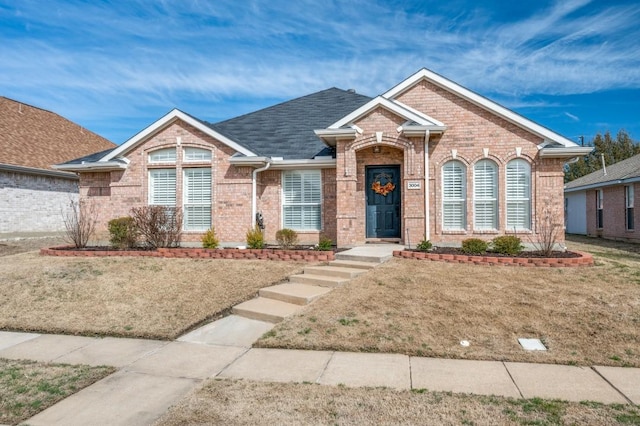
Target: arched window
(485,195)
(518,195)
(165,155)
(454,196)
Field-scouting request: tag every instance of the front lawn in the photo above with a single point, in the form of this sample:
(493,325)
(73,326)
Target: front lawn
(228,402)
(28,387)
(125,296)
(585,316)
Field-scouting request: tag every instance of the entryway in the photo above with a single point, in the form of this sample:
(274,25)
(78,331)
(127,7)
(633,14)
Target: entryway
(383,201)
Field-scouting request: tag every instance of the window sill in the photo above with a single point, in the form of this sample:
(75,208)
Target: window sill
(486,231)
(454,232)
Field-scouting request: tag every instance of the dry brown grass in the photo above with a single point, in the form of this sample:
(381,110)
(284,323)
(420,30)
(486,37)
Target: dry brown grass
(136,297)
(8,247)
(28,387)
(585,316)
(227,402)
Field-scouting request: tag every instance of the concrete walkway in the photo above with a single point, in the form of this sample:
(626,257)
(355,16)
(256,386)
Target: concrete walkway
(153,375)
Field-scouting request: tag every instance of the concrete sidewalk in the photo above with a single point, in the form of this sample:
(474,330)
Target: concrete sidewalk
(153,375)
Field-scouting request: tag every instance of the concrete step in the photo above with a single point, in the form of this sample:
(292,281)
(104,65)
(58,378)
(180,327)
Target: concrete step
(319,280)
(353,264)
(298,294)
(369,258)
(263,309)
(377,253)
(333,271)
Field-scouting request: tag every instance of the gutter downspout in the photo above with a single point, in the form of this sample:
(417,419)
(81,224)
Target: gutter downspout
(427,219)
(254,192)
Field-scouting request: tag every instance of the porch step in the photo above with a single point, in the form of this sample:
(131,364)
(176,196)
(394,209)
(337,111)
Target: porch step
(354,264)
(318,280)
(375,253)
(334,271)
(298,294)
(264,309)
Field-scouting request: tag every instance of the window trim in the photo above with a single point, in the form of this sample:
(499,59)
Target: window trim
(284,204)
(599,209)
(629,201)
(493,201)
(186,204)
(461,200)
(526,200)
(173,160)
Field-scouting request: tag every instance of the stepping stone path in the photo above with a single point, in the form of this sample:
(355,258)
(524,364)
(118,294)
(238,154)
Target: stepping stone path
(280,301)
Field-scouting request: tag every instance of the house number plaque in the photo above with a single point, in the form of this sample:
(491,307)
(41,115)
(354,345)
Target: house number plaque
(414,184)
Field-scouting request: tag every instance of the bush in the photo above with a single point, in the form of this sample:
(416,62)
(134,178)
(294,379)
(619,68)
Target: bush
(474,246)
(287,238)
(79,222)
(159,226)
(325,244)
(507,244)
(255,238)
(424,245)
(209,239)
(123,232)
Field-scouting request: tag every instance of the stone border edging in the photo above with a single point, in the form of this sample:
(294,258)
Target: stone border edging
(585,259)
(198,253)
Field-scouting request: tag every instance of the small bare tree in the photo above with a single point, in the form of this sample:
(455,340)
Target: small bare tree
(548,230)
(159,226)
(79,222)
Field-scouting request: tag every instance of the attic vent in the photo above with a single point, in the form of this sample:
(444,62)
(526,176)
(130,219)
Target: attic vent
(351,90)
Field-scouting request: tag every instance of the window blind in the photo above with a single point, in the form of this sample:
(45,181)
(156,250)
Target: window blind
(485,193)
(453,196)
(518,194)
(301,199)
(197,199)
(162,187)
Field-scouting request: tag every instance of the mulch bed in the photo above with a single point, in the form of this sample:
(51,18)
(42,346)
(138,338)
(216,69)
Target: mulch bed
(524,254)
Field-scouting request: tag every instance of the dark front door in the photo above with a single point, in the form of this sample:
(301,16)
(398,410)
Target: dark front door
(383,202)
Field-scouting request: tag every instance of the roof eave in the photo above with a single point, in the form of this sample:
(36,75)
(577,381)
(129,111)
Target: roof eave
(417,131)
(97,166)
(603,184)
(565,152)
(331,136)
(37,172)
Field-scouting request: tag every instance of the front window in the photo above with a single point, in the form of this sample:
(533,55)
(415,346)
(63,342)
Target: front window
(518,195)
(301,199)
(485,194)
(162,187)
(454,196)
(599,209)
(628,196)
(197,199)
(197,154)
(165,155)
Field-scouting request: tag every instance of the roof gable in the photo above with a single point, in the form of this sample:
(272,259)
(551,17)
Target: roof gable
(167,119)
(397,108)
(479,100)
(37,138)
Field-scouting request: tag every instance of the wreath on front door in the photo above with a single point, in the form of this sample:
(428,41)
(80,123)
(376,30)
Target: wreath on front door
(381,189)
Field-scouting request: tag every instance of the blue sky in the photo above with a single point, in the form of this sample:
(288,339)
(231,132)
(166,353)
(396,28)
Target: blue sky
(115,67)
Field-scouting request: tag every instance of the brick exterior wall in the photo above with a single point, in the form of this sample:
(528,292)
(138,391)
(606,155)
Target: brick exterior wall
(31,203)
(613,214)
(472,134)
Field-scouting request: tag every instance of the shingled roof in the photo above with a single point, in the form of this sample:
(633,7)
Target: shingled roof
(617,173)
(287,129)
(37,138)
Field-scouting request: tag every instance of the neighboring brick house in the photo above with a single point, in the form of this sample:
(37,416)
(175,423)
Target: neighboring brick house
(602,203)
(428,159)
(32,194)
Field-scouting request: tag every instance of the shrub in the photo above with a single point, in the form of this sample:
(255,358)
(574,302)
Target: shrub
(424,245)
(287,238)
(80,222)
(123,232)
(159,226)
(325,244)
(474,246)
(507,244)
(255,238)
(209,239)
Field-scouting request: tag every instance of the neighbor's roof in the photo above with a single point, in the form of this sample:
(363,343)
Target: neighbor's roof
(37,138)
(287,130)
(618,173)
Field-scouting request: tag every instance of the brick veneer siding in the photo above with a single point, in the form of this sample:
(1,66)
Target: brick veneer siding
(31,203)
(472,134)
(613,214)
